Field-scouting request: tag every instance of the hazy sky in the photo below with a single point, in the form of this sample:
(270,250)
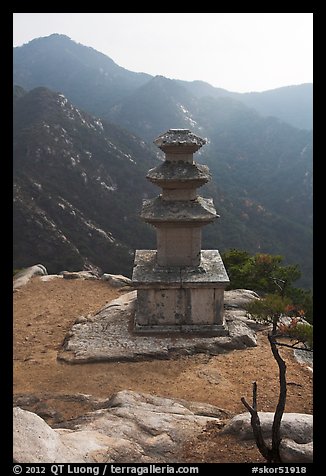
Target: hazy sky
(236,51)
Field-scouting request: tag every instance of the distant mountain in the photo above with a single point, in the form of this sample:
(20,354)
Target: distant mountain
(261,166)
(291,104)
(94,82)
(73,178)
(158,105)
(88,78)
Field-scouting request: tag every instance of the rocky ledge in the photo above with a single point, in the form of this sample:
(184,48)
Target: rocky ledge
(135,427)
(132,427)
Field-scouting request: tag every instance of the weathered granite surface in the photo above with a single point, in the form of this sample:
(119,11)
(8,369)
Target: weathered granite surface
(108,336)
(296,426)
(133,427)
(304,357)
(78,275)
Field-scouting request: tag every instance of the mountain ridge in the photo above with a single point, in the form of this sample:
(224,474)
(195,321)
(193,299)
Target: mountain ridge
(83,74)
(91,66)
(292,104)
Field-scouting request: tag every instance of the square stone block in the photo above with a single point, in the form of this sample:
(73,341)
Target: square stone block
(180,300)
(178,246)
(161,307)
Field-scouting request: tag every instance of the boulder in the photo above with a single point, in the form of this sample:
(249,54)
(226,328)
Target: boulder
(35,442)
(116,280)
(242,335)
(237,298)
(304,357)
(296,426)
(134,427)
(22,278)
(108,336)
(296,433)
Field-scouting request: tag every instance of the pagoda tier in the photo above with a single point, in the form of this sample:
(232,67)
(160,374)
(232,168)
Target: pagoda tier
(179,180)
(198,212)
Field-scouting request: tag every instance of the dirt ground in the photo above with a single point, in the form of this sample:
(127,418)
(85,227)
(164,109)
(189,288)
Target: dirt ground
(45,311)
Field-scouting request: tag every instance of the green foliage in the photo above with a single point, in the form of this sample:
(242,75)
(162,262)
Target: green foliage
(261,167)
(302,300)
(93,223)
(265,273)
(299,331)
(235,262)
(269,309)
(261,272)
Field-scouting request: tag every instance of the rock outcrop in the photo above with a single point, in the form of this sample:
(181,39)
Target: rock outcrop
(78,275)
(134,427)
(107,336)
(116,280)
(22,278)
(304,357)
(237,298)
(35,442)
(296,433)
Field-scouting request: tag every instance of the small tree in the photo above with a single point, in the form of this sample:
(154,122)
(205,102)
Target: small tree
(262,272)
(270,310)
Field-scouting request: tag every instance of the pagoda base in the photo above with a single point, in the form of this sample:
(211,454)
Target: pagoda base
(180,300)
(209,330)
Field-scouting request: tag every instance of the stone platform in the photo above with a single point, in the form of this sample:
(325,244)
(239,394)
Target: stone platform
(109,336)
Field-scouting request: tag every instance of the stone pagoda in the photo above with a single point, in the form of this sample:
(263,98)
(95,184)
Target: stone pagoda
(180,287)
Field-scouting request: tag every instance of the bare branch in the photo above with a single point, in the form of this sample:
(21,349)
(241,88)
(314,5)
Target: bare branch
(246,404)
(255,424)
(293,346)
